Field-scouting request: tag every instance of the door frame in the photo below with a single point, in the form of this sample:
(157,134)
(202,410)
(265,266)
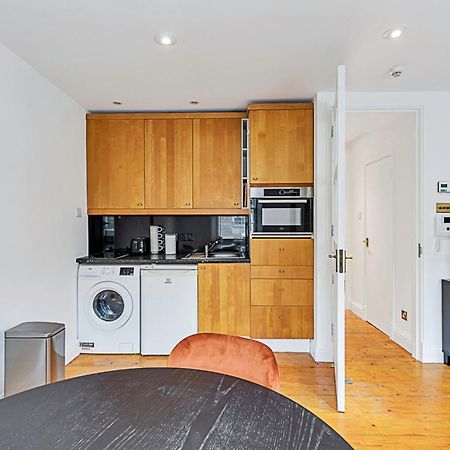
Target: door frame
(417,350)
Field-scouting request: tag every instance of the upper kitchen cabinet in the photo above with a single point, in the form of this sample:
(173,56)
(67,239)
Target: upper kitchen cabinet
(115,164)
(217,163)
(281,144)
(168,163)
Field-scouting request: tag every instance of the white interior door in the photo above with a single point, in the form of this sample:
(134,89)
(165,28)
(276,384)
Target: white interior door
(379,226)
(338,253)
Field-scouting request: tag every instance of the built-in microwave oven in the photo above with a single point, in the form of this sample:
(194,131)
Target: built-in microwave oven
(281,212)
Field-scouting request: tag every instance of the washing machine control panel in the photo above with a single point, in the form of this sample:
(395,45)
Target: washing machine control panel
(126,271)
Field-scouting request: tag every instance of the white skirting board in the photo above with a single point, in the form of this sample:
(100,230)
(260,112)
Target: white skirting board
(402,339)
(72,352)
(358,309)
(287,345)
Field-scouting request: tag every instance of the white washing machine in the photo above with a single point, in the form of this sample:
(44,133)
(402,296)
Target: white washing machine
(109,309)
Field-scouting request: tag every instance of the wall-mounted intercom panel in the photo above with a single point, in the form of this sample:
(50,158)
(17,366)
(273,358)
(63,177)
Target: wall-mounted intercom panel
(443,225)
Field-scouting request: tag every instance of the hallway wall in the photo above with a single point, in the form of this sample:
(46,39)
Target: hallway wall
(376,135)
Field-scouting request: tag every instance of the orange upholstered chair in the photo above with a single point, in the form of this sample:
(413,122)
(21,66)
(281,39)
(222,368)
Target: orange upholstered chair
(230,355)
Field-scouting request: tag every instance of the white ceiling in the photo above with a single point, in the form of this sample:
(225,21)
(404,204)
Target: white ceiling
(229,53)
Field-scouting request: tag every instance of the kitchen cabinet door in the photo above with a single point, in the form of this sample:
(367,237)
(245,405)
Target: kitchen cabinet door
(282,292)
(282,322)
(224,298)
(115,164)
(217,163)
(281,147)
(282,252)
(168,163)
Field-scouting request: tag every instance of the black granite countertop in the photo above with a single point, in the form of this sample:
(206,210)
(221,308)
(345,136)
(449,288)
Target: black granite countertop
(156,259)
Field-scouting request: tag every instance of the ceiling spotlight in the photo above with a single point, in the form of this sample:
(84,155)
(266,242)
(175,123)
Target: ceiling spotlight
(396,71)
(166,39)
(194,102)
(117,103)
(393,33)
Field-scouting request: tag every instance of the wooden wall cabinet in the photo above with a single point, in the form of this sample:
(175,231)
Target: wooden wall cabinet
(168,163)
(282,288)
(164,162)
(217,163)
(281,144)
(115,164)
(224,298)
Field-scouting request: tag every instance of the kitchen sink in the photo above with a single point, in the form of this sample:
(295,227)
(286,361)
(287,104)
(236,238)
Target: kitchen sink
(218,255)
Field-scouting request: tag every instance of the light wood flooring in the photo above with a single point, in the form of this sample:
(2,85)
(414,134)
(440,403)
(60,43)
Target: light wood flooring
(393,402)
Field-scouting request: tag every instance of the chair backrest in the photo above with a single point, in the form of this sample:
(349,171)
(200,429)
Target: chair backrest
(230,355)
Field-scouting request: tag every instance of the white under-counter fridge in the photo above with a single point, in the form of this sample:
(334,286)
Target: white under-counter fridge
(168,306)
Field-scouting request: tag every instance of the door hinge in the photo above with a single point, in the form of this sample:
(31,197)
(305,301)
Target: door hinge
(332,230)
(332,329)
(419,250)
(332,131)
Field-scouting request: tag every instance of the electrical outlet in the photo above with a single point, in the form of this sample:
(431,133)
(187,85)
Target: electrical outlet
(404,315)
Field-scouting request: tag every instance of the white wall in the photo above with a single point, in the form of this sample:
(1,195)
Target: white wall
(435,140)
(42,177)
(321,345)
(384,134)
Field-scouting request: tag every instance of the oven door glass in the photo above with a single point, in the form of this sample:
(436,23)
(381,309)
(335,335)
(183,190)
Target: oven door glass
(291,217)
(284,217)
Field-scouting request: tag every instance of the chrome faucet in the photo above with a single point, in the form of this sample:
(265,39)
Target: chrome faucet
(210,245)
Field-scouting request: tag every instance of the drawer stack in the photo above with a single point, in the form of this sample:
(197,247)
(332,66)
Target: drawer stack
(282,288)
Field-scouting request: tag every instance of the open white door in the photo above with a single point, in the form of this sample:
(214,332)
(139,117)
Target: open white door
(338,253)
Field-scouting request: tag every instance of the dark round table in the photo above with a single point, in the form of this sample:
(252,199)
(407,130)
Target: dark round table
(159,408)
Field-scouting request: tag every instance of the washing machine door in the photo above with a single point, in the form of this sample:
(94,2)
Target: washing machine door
(108,305)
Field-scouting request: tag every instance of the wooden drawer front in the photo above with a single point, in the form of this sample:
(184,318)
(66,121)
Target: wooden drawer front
(282,322)
(282,292)
(301,272)
(282,252)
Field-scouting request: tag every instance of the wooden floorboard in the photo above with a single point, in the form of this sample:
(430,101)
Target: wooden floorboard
(393,402)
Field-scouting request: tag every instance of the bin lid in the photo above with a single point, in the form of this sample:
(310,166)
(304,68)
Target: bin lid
(34,330)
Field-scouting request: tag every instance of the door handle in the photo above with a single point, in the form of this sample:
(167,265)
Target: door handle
(334,256)
(366,242)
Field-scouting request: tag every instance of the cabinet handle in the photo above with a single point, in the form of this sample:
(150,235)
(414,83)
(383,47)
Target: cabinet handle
(236,204)
(255,178)
(281,271)
(187,204)
(282,249)
(281,290)
(139,204)
(281,317)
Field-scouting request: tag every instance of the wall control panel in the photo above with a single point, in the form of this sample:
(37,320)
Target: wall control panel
(443,186)
(443,225)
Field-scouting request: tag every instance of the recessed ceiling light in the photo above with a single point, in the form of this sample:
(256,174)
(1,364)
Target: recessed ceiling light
(117,103)
(393,33)
(165,38)
(194,102)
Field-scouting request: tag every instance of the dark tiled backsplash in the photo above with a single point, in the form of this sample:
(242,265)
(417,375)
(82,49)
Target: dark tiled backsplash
(115,232)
